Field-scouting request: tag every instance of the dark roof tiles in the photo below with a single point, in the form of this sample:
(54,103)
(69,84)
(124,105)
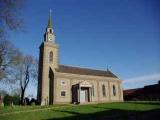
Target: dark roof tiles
(85,71)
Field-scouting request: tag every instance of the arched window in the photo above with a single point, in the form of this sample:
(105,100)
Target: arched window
(114,90)
(51,57)
(92,90)
(104,90)
(50,30)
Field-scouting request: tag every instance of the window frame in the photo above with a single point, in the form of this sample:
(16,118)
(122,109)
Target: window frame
(114,90)
(51,57)
(104,90)
(64,92)
(92,90)
(50,30)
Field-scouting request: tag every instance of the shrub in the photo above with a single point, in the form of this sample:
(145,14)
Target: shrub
(9,99)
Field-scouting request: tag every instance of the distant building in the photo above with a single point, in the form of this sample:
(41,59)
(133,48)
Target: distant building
(149,92)
(59,84)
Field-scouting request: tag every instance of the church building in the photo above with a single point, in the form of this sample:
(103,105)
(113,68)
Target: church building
(60,84)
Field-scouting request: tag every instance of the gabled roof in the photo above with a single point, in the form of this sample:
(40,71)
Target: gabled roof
(85,71)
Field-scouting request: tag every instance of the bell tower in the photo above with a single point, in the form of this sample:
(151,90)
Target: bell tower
(49,34)
(48,62)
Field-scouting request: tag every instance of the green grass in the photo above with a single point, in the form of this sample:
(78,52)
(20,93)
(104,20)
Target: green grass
(105,111)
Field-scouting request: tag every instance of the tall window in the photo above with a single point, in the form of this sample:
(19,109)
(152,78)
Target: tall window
(51,57)
(50,30)
(104,90)
(92,90)
(114,90)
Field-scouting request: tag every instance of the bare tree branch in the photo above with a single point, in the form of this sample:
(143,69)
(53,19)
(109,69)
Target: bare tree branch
(9,56)
(9,16)
(26,69)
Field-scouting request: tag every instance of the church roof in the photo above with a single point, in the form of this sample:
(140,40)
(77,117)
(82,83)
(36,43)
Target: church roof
(84,71)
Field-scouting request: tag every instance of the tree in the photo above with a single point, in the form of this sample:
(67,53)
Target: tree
(9,20)
(9,56)
(9,16)
(20,74)
(9,99)
(3,92)
(26,72)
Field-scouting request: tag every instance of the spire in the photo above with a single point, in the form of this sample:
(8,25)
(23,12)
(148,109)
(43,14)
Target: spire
(50,19)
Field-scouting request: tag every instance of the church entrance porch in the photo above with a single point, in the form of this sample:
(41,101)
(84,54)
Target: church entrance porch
(81,93)
(84,95)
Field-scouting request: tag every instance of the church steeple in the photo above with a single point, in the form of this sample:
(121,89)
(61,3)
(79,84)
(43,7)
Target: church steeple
(49,34)
(50,19)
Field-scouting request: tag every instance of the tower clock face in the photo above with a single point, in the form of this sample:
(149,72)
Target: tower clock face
(50,37)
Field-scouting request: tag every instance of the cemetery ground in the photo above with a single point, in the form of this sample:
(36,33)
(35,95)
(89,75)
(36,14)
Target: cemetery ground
(103,111)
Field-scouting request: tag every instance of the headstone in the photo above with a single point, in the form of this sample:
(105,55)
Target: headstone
(1,101)
(12,105)
(2,104)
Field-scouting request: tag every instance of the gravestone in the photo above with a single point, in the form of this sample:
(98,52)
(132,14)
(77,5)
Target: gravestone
(1,101)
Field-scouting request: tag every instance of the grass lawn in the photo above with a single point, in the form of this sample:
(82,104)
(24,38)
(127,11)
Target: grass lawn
(105,111)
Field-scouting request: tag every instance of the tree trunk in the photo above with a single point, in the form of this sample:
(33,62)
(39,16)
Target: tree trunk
(22,97)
